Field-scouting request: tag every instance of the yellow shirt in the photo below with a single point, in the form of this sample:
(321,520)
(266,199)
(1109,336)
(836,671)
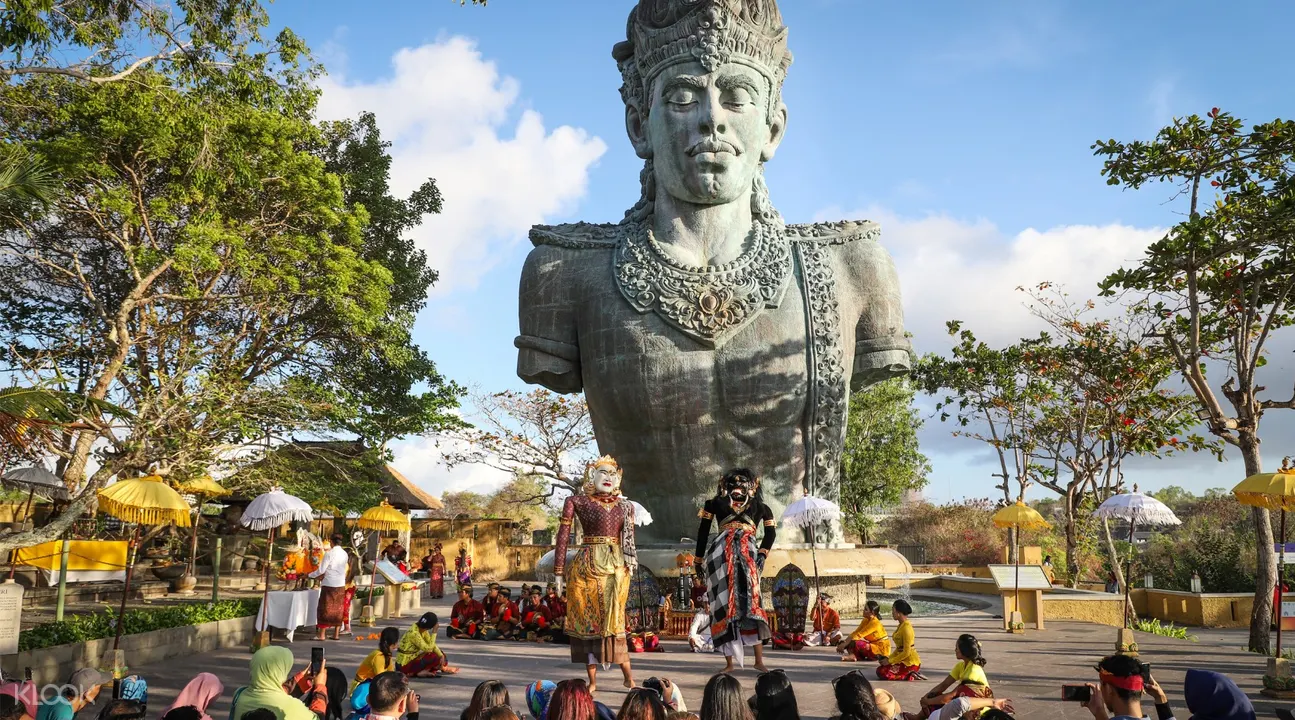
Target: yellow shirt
(870,629)
(372,666)
(905,646)
(969,672)
(415,643)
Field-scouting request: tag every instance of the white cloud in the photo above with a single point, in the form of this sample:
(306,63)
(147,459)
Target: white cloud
(951,269)
(419,459)
(969,270)
(446,110)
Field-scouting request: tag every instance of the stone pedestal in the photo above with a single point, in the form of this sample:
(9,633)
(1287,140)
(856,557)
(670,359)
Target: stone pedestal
(184,585)
(116,664)
(1278,682)
(260,640)
(367,618)
(1126,643)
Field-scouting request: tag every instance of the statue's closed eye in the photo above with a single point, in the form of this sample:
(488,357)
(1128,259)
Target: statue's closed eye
(682,97)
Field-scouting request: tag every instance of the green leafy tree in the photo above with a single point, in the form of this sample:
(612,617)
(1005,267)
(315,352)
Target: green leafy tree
(464,503)
(881,461)
(1219,284)
(993,396)
(104,41)
(523,499)
(205,270)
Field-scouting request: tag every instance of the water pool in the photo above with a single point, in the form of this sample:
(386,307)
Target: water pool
(921,608)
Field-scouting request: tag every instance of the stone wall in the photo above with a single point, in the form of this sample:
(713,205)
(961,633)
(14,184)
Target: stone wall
(56,664)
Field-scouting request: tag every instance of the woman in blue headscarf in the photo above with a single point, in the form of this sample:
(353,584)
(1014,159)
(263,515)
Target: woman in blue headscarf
(1213,696)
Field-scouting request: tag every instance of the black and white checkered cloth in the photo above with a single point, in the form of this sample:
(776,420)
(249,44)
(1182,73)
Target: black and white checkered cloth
(733,586)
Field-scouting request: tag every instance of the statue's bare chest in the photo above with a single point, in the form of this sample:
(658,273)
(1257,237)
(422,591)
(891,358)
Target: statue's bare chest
(640,372)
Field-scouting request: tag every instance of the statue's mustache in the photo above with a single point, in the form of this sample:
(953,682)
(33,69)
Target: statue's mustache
(713,145)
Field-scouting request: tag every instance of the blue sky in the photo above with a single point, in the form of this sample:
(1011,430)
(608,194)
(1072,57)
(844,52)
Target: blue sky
(963,127)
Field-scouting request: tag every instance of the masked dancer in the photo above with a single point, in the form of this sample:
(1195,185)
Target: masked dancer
(732,565)
(598,579)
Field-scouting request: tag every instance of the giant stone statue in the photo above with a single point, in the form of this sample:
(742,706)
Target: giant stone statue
(705,332)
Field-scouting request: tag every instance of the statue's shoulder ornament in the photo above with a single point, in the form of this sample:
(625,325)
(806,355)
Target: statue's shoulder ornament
(840,232)
(578,236)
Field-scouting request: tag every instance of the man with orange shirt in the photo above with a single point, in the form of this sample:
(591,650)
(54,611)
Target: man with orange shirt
(827,623)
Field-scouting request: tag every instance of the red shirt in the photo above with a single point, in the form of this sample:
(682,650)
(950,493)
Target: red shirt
(556,605)
(508,612)
(535,612)
(468,610)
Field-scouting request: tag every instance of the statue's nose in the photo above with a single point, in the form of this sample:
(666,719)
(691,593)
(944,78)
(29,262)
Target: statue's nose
(713,116)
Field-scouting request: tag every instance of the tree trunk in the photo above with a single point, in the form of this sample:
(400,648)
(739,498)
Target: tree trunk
(1117,565)
(1266,566)
(1072,541)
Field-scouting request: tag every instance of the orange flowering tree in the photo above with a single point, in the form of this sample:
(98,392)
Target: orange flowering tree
(1106,403)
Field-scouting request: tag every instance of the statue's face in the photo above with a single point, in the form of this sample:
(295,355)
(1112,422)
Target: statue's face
(708,132)
(605,480)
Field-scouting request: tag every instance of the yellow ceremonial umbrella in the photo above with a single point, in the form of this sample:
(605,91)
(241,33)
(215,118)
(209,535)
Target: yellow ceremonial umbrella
(203,487)
(382,518)
(142,501)
(1274,491)
(1021,517)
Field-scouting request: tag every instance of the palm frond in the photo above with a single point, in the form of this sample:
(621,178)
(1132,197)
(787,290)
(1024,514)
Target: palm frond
(30,414)
(25,177)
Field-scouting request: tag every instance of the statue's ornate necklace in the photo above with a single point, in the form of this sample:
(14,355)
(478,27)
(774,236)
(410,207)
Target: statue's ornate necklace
(708,303)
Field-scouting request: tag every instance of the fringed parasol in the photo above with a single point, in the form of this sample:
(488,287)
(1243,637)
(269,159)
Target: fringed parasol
(1135,508)
(274,509)
(1022,517)
(808,513)
(145,501)
(384,518)
(1274,491)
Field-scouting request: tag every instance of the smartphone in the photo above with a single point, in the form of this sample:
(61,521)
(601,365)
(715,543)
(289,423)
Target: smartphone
(116,689)
(316,659)
(26,674)
(1146,673)
(1076,693)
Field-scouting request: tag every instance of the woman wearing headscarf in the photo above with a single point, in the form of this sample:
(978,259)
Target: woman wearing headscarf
(270,688)
(537,698)
(199,694)
(1213,696)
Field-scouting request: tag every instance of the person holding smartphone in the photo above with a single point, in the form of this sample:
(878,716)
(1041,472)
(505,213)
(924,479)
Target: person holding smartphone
(1117,695)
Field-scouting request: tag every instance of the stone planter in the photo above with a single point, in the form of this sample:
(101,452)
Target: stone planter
(56,664)
(169,572)
(184,584)
(251,564)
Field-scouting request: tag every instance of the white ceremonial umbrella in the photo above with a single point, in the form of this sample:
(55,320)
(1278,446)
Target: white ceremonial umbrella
(808,512)
(641,515)
(274,509)
(1135,508)
(267,512)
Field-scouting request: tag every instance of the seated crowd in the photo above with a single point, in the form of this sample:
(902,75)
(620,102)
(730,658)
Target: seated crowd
(537,617)
(380,690)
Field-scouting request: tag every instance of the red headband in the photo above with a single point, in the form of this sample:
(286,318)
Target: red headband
(1132,683)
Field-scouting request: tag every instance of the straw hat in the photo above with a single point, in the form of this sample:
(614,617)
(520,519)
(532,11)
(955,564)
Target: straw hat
(886,703)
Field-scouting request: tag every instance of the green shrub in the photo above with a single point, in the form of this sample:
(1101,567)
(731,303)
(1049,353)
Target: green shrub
(1154,626)
(96,626)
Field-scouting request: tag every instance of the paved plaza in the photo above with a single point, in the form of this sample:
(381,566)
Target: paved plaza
(1030,669)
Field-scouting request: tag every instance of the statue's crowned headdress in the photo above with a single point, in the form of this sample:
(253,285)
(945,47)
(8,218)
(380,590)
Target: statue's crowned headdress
(661,33)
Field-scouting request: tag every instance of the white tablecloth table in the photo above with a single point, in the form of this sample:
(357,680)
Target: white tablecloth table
(288,610)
